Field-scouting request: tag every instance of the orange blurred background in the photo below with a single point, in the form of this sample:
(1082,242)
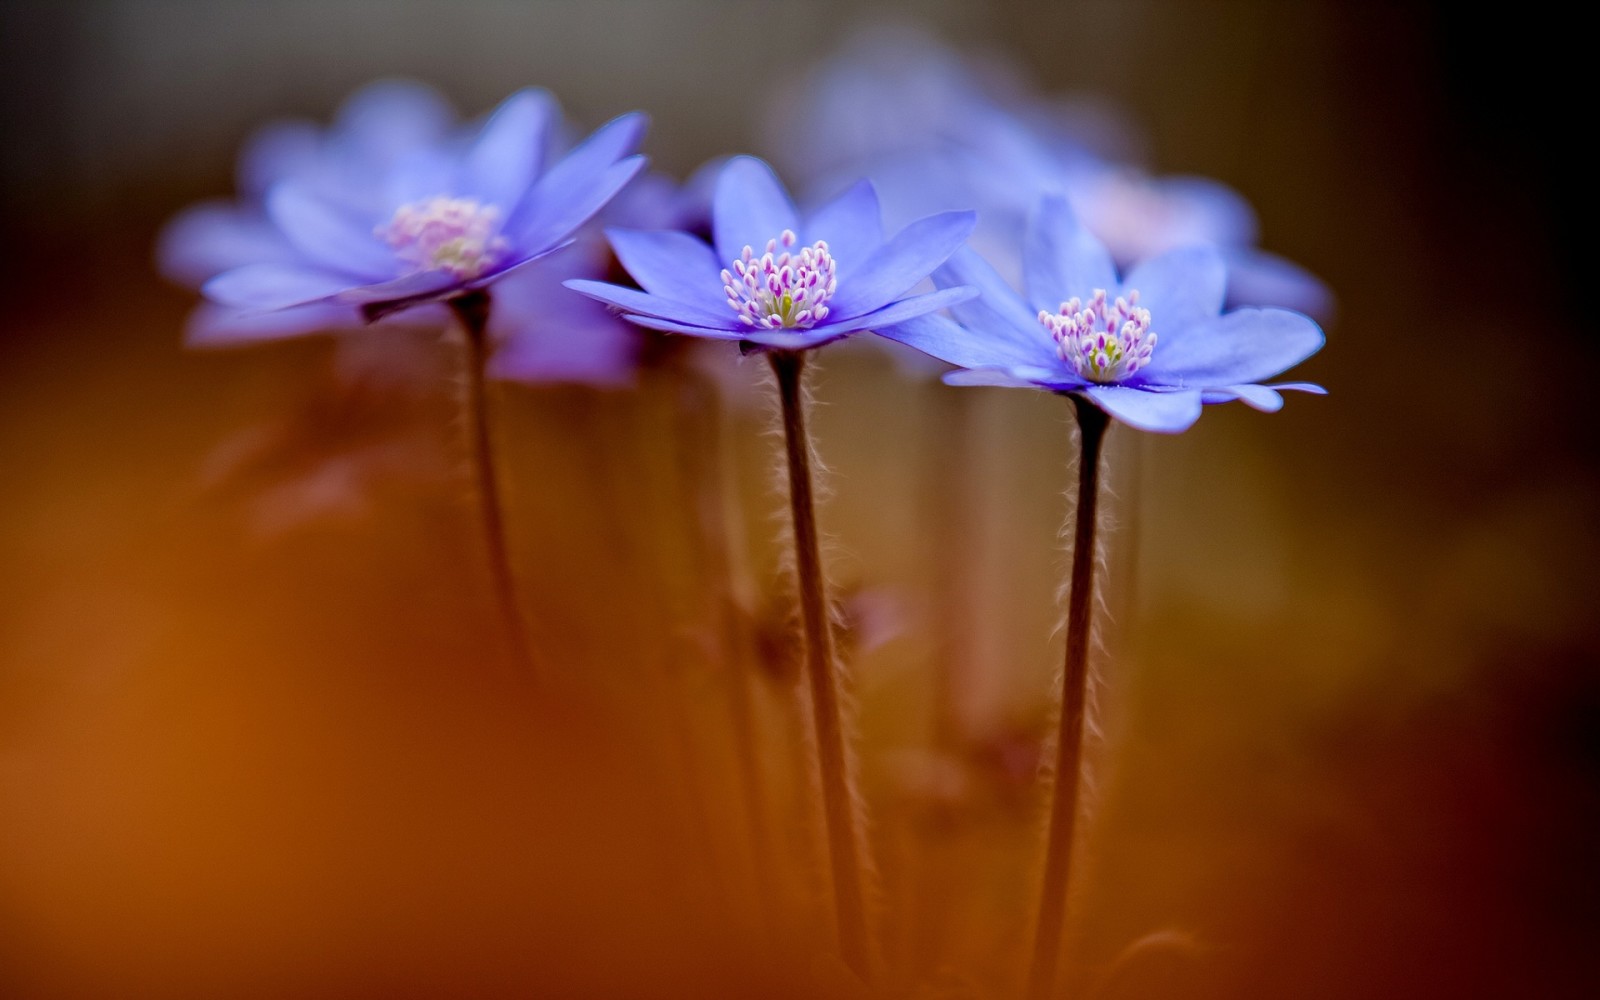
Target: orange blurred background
(257,734)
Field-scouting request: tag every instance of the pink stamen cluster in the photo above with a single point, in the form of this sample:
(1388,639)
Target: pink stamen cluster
(781,290)
(1104,342)
(459,235)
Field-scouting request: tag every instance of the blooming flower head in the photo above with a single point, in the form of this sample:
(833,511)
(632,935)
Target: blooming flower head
(1149,347)
(775,278)
(391,209)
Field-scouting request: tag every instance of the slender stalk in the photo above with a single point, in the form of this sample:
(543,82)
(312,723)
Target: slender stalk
(844,847)
(472,310)
(1092,423)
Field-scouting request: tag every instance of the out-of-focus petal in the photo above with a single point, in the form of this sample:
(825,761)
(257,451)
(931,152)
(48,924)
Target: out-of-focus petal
(273,286)
(581,183)
(206,239)
(948,341)
(506,158)
(327,236)
(1258,278)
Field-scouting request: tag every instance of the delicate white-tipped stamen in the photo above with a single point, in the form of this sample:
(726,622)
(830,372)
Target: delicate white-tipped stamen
(459,235)
(781,290)
(1103,342)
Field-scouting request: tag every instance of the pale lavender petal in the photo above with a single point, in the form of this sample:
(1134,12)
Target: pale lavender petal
(388,118)
(276,152)
(1241,347)
(211,325)
(998,312)
(949,341)
(900,310)
(560,207)
(852,224)
(635,301)
(668,326)
(1311,387)
(896,268)
(1162,412)
(1181,288)
(506,158)
(1259,397)
(207,239)
(672,265)
(581,183)
(273,286)
(1010,378)
(328,237)
(1258,278)
(419,286)
(1061,259)
(749,208)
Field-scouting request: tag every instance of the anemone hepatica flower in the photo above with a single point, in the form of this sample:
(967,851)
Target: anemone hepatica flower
(379,222)
(776,279)
(1149,348)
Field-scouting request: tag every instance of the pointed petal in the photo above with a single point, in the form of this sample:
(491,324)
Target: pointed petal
(914,253)
(1010,378)
(749,207)
(644,303)
(1061,259)
(942,338)
(1162,412)
(1258,396)
(672,265)
(668,326)
(582,182)
(273,286)
(852,224)
(903,309)
(505,159)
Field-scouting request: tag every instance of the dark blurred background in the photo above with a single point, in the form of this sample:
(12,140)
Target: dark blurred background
(1352,713)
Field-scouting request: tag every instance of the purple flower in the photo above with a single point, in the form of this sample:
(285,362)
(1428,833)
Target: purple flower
(1149,348)
(776,279)
(390,210)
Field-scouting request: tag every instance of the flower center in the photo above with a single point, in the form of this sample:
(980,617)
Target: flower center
(459,235)
(781,290)
(1103,341)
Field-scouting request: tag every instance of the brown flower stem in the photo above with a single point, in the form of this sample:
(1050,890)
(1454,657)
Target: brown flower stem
(844,846)
(472,310)
(1092,424)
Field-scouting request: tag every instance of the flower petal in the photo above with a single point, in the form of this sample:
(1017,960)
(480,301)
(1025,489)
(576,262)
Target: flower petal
(1162,412)
(1181,288)
(1259,397)
(388,118)
(562,204)
(634,301)
(211,325)
(942,338)
(668,326)
(1238,348)
(901,310)
(998,313)
(914,253)
(1010,378)
(327,237)
(749,208)
(1258,278)
(1311,387)
(207,239)
(672,265)
(1061,259)
(852,224)
(273,286)
(505,160)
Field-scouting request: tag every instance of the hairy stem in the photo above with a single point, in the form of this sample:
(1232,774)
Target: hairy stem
(844,847)
(1092,424)
(472,310)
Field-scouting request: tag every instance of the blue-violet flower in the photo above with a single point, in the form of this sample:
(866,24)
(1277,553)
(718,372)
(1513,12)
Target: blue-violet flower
(778,280)
(1149,348)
